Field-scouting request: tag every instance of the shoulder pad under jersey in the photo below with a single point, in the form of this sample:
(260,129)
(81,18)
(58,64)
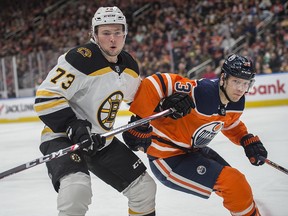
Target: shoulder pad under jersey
(128,61)
(86,58)
(206,96)
(237,106)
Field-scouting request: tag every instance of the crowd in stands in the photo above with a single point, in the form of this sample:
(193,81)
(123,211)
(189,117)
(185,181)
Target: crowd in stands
(166,36)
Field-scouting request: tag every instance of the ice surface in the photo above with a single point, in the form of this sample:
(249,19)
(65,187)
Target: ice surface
(29,193)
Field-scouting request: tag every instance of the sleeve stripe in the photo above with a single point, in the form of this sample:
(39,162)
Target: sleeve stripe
(43,93)
(49,105)
(169,81)
(42,100)
(233,125)
(156,85)
(47,134)
(162,82)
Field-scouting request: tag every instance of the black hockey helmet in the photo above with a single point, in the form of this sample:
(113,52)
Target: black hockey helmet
(238,66)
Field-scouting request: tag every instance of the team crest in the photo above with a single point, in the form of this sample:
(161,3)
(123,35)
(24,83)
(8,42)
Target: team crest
(84,52)
(108,110)
(75,157)
(203,136)
(201,170)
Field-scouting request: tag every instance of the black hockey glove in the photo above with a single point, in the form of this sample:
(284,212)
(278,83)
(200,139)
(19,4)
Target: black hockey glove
(253,149)
(80,131)
(138,138)
(182,104)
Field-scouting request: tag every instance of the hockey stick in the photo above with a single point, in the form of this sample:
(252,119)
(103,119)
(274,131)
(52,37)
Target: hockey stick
(74,147)
(276,166)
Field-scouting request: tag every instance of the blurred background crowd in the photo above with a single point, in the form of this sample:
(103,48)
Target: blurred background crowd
(187,37)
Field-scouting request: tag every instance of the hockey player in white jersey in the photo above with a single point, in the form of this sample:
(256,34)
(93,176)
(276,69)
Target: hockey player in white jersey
(79,100)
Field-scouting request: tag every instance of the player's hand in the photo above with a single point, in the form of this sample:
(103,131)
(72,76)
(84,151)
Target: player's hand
(181,103)
(253,149)
(97,143)
(138,138)
(80,131)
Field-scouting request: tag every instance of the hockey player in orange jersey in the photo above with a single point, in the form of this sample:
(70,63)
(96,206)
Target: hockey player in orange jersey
(177,147)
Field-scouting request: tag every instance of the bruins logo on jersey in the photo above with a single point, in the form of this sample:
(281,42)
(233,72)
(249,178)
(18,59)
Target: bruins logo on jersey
(84,52)
(108,110)
(75,157)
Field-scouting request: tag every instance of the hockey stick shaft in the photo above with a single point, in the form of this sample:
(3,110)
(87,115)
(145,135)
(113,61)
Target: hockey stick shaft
(137,123)
(75,147)
(273,164)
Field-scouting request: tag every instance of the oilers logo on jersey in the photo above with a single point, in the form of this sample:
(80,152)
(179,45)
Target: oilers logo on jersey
(201,170)
(203,136)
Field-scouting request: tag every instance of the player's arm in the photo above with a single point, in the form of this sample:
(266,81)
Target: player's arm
(51,103)
(52,107)
(152,97)
(139,138)
(61,84)
(252,145)
(163,91)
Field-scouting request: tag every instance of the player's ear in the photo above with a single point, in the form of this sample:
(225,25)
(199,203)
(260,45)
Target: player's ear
(95,38)
(94,34)
(221,80)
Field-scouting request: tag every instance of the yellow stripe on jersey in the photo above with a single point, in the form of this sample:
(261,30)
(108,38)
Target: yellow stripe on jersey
(101,71)
(44,93)
(46,130)
(47,134)
(108,70)
(49,105)
(131,212)
(131,72)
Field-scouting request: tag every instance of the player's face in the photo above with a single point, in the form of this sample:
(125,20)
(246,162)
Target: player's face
(111,39)
(236,87)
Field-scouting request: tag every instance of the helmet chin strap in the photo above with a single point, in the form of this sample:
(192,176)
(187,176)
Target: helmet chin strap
(225,93)
(96,42)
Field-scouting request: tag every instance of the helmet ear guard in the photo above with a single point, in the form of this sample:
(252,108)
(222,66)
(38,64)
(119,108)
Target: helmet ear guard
(108,15)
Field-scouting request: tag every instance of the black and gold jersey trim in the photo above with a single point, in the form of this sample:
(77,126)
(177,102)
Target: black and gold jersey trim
(89,60)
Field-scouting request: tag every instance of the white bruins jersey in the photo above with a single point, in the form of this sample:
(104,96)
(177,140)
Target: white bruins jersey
(84,85)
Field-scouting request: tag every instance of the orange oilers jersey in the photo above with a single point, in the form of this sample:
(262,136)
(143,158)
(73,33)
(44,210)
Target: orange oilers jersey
(194,130)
